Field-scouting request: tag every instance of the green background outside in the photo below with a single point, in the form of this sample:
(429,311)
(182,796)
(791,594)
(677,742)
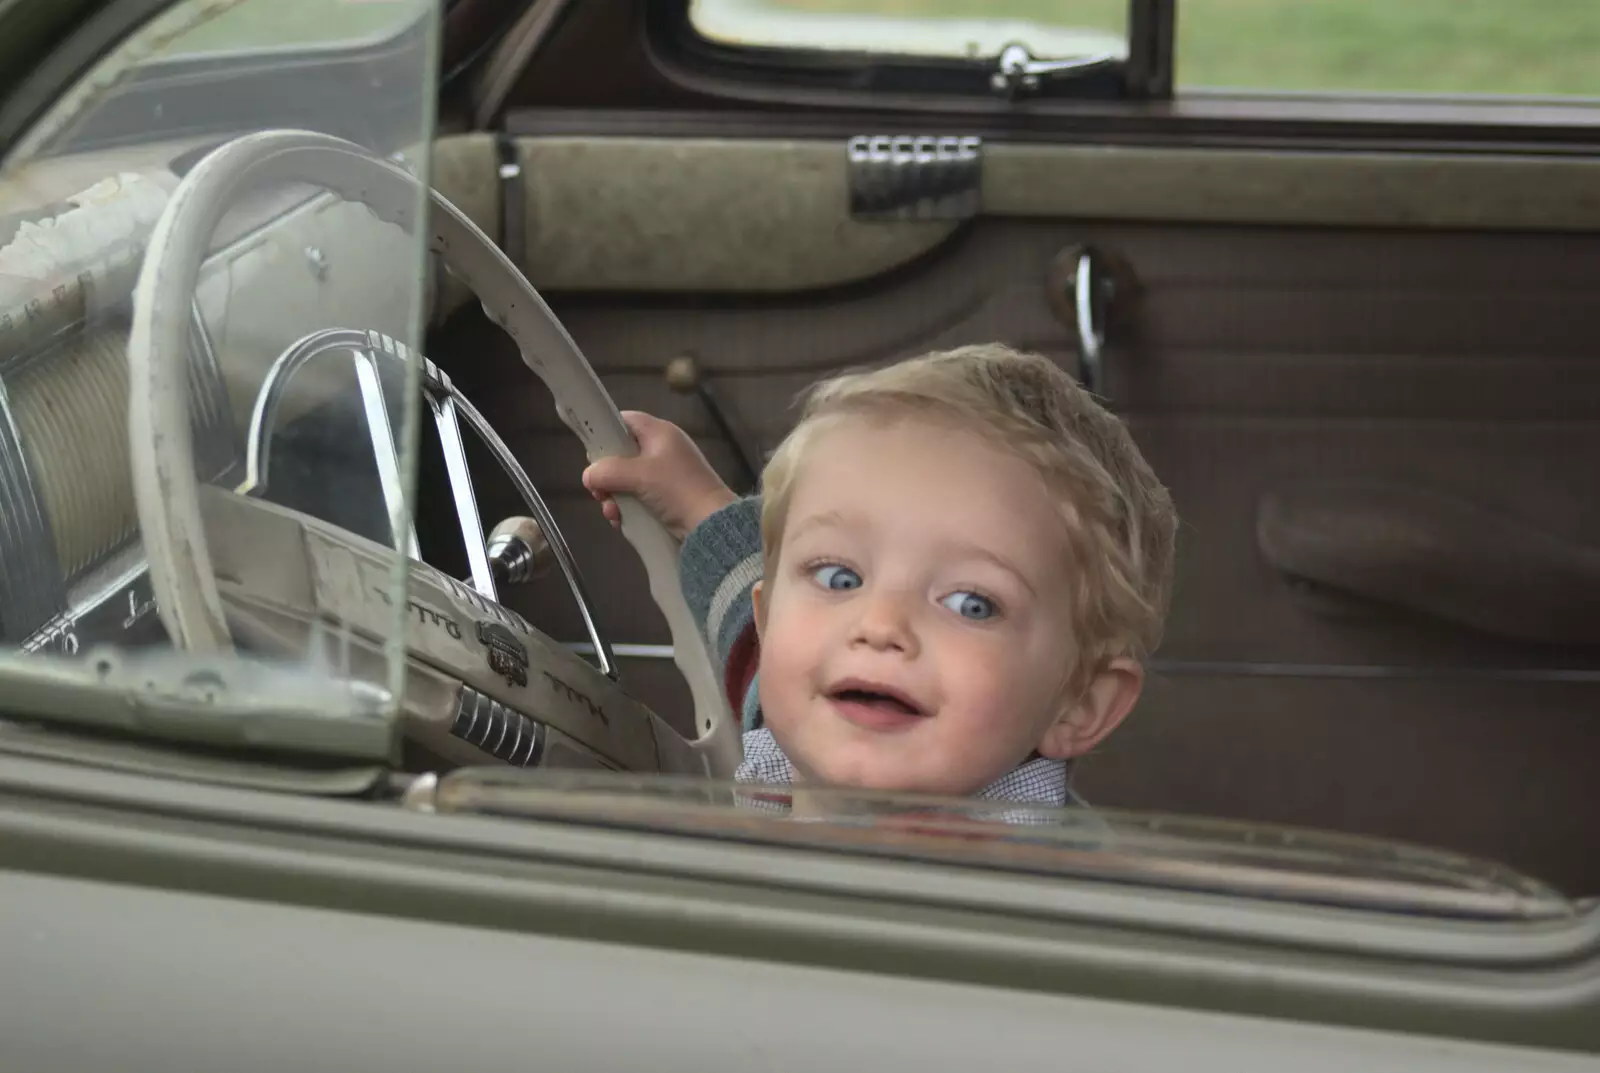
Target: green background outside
(1534,47)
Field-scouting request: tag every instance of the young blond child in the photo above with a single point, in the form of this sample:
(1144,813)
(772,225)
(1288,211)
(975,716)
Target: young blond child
(948,584)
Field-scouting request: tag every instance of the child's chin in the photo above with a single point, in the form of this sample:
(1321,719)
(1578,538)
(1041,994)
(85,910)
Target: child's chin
(850,769)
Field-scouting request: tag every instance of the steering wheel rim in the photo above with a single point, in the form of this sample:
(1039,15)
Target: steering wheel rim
(166,490)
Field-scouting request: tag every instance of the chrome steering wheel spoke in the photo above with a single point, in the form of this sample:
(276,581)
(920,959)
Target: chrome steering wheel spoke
(371,351)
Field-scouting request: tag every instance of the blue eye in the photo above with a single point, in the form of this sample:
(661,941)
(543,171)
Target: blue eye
(835,577)
(970,605)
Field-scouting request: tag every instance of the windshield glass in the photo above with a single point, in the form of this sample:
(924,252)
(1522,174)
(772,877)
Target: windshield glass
(206,372)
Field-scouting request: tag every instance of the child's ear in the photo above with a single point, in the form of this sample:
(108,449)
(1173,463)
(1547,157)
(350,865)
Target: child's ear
(759,607)
(1102,708)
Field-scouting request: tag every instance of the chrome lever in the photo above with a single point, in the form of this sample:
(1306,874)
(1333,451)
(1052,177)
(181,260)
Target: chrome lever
(1018,72)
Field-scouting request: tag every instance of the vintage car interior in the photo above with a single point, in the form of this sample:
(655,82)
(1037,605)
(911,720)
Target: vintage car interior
(1355,338)
(1356,344)
(1354,347)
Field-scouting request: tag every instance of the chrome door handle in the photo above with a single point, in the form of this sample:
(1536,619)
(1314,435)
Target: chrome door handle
(1091,329)
(1093,287)
(1017,71)
(1081,285)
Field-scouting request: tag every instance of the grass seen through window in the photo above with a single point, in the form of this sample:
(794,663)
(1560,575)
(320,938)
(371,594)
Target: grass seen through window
(1531,47)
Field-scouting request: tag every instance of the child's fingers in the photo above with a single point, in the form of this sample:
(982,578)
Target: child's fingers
(608,507)
(610,476)
(639,423)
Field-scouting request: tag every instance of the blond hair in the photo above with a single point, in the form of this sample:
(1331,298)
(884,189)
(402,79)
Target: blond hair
(1119,521)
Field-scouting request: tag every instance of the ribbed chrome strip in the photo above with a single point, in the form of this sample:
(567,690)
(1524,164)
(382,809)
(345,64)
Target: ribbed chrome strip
(216,440)
(32,590)
(502,732)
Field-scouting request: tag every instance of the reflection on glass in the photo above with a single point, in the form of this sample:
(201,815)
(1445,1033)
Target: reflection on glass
(301,24)
(276,613)
(250,265)
(1192,854)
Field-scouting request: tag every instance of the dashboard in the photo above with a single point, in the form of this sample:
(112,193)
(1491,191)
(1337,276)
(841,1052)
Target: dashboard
(71,569)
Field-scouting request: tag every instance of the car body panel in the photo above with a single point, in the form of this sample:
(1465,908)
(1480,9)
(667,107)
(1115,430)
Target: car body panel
(1506,982)
(197,982)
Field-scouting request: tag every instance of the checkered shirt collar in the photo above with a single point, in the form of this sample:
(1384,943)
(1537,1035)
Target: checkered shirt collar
(1039,781)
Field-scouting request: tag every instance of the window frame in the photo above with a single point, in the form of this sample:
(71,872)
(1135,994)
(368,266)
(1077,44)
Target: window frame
(1146,74)
(665,78)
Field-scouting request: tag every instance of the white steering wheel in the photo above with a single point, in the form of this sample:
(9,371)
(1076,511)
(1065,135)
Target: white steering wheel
(164,481)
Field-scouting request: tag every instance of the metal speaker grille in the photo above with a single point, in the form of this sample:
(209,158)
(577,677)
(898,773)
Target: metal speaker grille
(502,732)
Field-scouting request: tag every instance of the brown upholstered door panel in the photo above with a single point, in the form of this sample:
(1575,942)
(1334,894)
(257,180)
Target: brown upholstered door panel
(1383,443)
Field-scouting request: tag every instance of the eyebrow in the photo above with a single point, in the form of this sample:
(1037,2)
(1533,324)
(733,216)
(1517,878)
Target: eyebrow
(975,551)
(828,519)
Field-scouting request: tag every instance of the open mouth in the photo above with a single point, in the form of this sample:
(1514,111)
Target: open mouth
(874,697)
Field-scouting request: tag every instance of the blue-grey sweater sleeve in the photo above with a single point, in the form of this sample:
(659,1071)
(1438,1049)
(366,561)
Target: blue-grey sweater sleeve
(719,564)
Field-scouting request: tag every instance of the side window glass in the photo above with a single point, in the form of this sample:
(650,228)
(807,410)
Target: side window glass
(1459,48)
(946,29)
(302,24)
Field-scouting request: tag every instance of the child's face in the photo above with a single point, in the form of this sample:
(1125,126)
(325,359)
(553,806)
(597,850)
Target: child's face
(915,631)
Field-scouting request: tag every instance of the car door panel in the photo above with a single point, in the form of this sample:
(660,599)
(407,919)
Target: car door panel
(649,214)
(1284,321)
(1479,765)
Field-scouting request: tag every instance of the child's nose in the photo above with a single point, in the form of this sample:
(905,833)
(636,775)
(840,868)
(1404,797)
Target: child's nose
(885,623)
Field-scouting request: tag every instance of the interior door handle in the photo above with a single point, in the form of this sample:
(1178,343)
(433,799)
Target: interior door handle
(1090,294)
(1082,284)
(1433,554)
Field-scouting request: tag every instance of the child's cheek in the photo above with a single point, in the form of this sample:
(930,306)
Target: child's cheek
(984,670)
(787,654)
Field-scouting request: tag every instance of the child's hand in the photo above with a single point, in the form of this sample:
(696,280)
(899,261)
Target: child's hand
(669,476)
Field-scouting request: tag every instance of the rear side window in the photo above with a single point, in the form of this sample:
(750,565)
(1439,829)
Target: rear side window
(1452,47)
(951,29)
(1013,48)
